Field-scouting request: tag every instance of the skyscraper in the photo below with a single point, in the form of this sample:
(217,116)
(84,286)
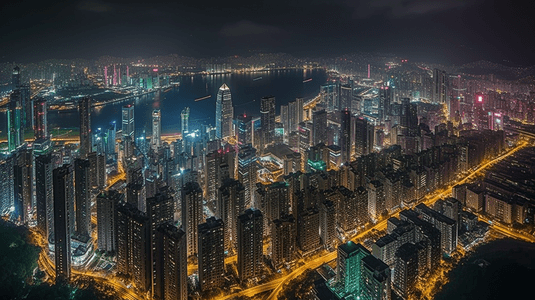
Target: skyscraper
(211,253)
(231,203)
(84,109)
(283,240)
(247,171)
(364,135)
(345,136)
(15,129)
(107,203)
(7,196)
(319,127)
(156,139)
(267,119)
(184,117)
(23,180)
(224,113)
(82,197)
(43,193)
(250,246)
(40,111)
(192,214)
(171,263)
(63,189)
(128,126)
(440,86)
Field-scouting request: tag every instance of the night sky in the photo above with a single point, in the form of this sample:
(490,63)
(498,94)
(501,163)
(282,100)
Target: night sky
(448,31)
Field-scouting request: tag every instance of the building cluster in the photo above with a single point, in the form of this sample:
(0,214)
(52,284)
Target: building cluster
(269,189)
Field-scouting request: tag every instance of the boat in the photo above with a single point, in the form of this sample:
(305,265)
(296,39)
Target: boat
(202,98)
(307,80)
(257,78)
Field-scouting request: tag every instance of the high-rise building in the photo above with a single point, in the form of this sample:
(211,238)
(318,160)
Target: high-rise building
(406,270)
(23,183)
(184,117)
(308,224)
(273,201)
(171,263)
(211,254)
(133,245)
(376,278)
(84,109)
(346,96)
(224,113)
(82,197)
(156,139)
(267,119)
(63,190)
(295,114)
(349,262)
(107,203)
(244,126)
(319,123)
(7,196)
(128,126)
(327,223)
(192,214)
(40,112)
(250,244)
(15,129)
(440,86)
(231,204)
(247,172)
(283,240)
(364,136)
(44,200)
(345,136)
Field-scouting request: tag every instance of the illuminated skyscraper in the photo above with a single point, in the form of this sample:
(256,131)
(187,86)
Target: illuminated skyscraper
(43,193)
(128,126)
(231,203)
(224,113)
(63,190)
(192,214)
(267,119)
(84,109)
(107,203)
(250,251)
(184,116)
(349,263)
(156,139)
(364,136)
(345,136)
(319,127)
(440,86)
(247,172)
(171,264)
(15,129)
(82,197)
(211,253)
(40,111)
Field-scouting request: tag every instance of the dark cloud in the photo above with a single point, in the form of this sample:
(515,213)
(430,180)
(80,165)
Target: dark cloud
(404,8)
(95,6)
(245,28)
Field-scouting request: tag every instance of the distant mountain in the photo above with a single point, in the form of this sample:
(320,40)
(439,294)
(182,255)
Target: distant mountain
(483,67)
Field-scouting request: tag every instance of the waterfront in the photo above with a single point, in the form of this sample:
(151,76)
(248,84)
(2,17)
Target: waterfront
(285,85)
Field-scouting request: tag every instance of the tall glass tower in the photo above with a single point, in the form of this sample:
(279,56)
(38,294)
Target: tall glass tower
(224,112)
(156,129)
(184,116)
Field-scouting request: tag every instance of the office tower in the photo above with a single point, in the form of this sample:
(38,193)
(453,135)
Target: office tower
(23,184)
(267,119)
(171,264)
(40,111)
(224,113)
(156,139)
(349,262)
(97,170)
(128,126)
(63,190)
(133,245)
(184,117)
(364,135)
(273,201)
(82,197)
(15,78)
(376,278)
(192,214)
(406,270)
(44,200)
(211,254)
(308,224)
(15,129)
(84,109)
(231,204)
(111,133)
(244,126)
(7,186)
(346,96)
(385,102)
(22,92)
(295,114)
(440,86)
(319,127)
(107,203)
(345,136)
(160,210)
(327,223)
(283,240)
(250,245)
(247,172)
(329,96)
